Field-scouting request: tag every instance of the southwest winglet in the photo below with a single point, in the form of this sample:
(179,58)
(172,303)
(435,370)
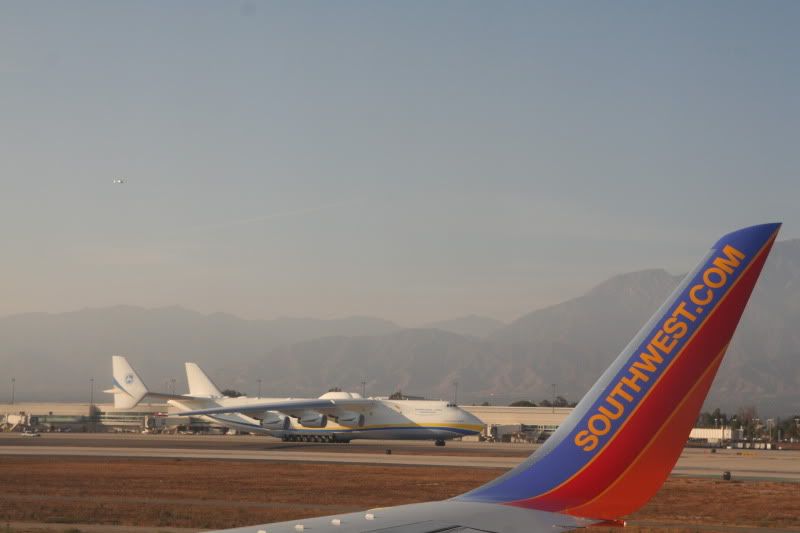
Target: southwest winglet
(620,443)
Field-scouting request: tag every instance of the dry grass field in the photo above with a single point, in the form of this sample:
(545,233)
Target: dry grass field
(198,494)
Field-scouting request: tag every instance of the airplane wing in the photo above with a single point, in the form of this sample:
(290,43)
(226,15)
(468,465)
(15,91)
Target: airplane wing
(436,517)
(614,451)
(290,407)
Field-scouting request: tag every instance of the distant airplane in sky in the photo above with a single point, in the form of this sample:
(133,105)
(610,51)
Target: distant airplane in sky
(620,443)
(333,417)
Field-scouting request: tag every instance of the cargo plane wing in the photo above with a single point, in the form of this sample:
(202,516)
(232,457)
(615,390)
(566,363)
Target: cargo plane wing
(615,450)
(291,406)
(340,416)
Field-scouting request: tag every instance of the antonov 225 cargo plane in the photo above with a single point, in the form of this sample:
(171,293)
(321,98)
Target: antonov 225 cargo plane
(333,417)
(615,450)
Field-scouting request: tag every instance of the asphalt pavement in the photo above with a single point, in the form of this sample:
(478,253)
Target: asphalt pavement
(773,465)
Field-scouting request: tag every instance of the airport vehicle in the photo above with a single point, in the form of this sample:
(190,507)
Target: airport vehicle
(620,443)
(333,417)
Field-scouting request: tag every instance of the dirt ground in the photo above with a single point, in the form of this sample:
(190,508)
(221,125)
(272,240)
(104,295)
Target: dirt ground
(70,493)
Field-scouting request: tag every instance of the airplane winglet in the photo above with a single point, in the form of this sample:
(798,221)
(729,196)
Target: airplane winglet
(615,450)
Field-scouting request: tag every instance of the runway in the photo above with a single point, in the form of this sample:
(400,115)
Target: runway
(267,455)
(743,464)
(260,443)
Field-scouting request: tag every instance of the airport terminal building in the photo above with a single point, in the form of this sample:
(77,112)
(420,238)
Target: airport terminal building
(78,417)
(518,423)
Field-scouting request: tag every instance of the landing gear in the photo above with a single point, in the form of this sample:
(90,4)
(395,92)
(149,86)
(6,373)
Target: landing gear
(440,442)
(315,438)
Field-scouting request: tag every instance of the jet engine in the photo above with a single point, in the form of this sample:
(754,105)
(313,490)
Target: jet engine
(350,419)
(313,419)
(275,420)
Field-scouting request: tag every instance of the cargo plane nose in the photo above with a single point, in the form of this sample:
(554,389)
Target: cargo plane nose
(467,423)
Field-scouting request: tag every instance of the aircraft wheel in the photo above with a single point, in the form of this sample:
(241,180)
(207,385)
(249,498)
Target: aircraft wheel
(440,442)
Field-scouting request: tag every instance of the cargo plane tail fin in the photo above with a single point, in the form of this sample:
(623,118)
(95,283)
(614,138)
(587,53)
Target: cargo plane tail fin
(200,385)
(129,389)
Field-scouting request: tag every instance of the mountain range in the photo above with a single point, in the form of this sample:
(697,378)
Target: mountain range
(53,356)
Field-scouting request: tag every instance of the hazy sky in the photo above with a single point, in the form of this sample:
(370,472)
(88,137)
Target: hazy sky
(412,160)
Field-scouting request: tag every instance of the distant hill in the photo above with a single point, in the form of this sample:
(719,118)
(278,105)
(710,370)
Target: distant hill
(417,361)
(52,356)
(569,344)
(472,325)
(762,366)
(588,319)
(572,343)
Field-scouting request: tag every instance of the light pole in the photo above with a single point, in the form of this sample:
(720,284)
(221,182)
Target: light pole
(259,387)
(13,389)
(91,403)
(172,382)
(554,398)
(455,392)
(363,387)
